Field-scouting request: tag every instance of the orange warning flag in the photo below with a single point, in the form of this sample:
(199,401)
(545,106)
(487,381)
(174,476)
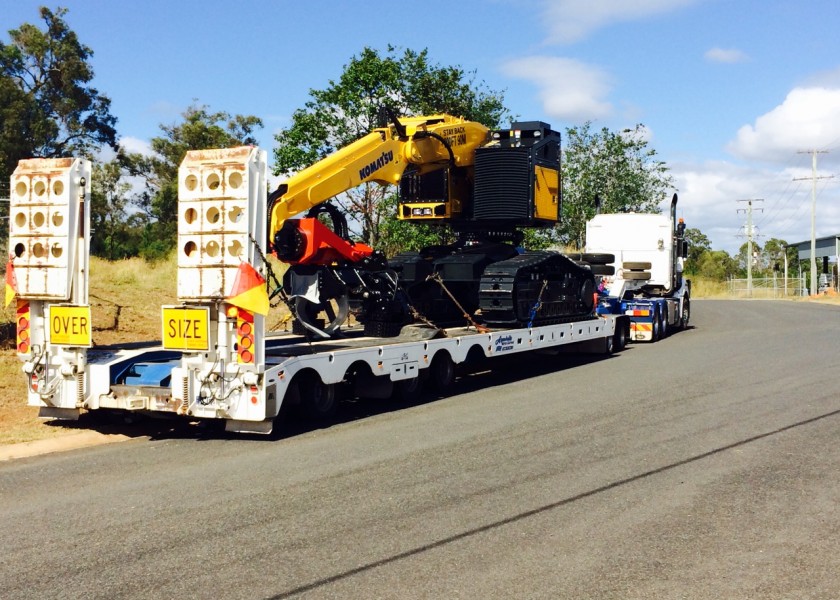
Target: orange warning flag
(11,281)
(248,291)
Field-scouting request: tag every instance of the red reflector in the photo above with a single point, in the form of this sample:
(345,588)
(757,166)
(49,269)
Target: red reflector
(254,400)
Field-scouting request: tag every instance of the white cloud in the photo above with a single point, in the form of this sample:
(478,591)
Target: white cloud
(136,145)
(569,90)
(809,118)
(709,193)
(570,21)
(726,55)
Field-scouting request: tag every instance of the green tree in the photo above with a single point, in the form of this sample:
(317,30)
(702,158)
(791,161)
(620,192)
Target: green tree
(47,106)
(200,129)
(619,168)
(698,244)
(775,251)
(717,265)
(116,232)
(348,109)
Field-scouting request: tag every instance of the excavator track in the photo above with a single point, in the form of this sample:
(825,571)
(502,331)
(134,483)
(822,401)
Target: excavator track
(536,288)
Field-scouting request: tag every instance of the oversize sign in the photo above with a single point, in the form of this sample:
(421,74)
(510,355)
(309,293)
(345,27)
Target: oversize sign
(186,328)
(69,326)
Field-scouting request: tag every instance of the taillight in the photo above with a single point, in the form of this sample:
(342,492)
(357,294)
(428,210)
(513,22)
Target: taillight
(245,337)
(23,327)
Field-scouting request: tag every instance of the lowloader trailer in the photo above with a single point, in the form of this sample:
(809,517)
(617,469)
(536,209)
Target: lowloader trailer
(216,361)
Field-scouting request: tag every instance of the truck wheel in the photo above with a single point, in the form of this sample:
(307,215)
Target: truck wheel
(597,258)
(686,313)
(663,323)
(441,372)
(656,327)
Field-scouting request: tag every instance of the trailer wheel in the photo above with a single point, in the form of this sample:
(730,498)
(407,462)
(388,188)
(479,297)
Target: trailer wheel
(620,336)
(319,400)
(408,390)
(441,372)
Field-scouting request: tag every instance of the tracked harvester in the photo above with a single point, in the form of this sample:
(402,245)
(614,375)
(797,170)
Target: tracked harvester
(485,185)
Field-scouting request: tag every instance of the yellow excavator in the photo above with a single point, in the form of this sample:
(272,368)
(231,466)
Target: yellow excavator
(485,184)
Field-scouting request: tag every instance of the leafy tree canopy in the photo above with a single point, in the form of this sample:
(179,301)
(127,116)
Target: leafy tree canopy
(47,106)
(200,129)
(619,168)
(347,109)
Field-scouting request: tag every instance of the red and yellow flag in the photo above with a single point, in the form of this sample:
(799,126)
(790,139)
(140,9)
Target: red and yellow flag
(249,292)
(11,281)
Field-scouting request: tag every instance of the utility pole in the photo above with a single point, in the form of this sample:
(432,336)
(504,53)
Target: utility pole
(814,178)
(749,233)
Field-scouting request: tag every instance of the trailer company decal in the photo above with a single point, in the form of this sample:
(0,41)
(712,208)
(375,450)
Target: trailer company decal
(70,326)
(375,165)
(186,328)
(504,343)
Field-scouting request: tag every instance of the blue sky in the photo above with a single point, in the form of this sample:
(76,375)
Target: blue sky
(730,91)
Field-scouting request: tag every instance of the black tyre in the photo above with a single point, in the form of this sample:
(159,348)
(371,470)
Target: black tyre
(686,313)
(441,372)
(597,258)
(656,327)
(636,266)
(636,275)
(408,390)
(602,269)
(318,400)
(663,323)
(620,336)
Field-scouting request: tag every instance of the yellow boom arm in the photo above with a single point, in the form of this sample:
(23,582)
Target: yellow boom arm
(427,143)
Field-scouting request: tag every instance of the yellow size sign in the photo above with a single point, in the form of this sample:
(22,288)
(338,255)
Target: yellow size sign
(69,326)
(186,328)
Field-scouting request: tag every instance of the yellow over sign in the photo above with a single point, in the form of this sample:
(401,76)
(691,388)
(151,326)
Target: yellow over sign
(69,326)
(186,328)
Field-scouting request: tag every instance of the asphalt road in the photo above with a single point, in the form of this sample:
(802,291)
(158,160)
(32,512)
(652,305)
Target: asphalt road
(702,466)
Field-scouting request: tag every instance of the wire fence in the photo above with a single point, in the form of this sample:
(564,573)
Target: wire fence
(768,287)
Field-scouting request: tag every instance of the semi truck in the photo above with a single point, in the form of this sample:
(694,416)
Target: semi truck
(644,280)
